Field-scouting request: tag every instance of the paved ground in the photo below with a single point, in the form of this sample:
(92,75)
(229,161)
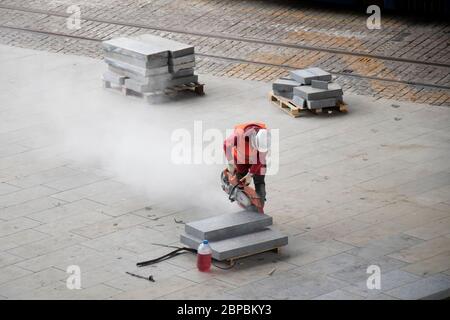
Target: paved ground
(408,59)
(80,185)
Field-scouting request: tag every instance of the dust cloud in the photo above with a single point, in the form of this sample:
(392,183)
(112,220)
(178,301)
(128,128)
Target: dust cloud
(132,140)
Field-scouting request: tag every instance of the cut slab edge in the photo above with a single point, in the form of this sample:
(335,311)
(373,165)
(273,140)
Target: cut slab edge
(245,245)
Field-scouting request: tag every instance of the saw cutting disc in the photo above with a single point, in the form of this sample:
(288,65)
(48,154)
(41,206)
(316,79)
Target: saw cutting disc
(243,199)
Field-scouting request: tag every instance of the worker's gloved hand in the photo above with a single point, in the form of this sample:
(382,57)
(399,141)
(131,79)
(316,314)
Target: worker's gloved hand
(247,179)
(231,167)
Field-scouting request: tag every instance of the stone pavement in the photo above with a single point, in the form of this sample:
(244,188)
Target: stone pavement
(81,185)
(407,59)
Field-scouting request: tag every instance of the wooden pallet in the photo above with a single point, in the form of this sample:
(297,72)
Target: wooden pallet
(295,111)
(340,107)
(197,88)
(286,105)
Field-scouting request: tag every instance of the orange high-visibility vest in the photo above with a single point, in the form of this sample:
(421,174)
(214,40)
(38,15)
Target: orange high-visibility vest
(240,130)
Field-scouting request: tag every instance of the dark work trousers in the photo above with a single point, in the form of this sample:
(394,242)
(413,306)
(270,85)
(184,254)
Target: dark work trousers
(260,184)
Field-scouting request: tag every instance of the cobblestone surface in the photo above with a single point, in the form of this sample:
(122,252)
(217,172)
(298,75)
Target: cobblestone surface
(253,40)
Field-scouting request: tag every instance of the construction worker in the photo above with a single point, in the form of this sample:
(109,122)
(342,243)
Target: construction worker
(246,149)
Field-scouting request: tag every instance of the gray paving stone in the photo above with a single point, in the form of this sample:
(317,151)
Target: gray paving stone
(433,265)
(34,249)
(130,70)
(433,287)
(309,93)
(319,84)
(285,94)
(183,73)
(28,207)
(358,272)
(284,85)
(7,188)
(308,288)
(299,102)
(304,76)
(74,181)
(152,84)
(182,59)
(302,252)
(154,291)
(20,238)
(12,289)
(242,245)
(315,104)
(386,245)
(21,196)
(228,225)
(108,226)
(59,291)
(176,49)
(157,85)
(338,295)
(154,62)
(389,281)
(31,180)
(7,259)
(12,272)
(212,289)
(331,264)
(16,225)
(180,67)
(86,258)
(63,226)
(66,210)
(134,48)
(182,80)
(113,78)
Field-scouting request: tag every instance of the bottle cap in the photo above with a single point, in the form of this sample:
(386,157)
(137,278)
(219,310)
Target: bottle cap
(205,241)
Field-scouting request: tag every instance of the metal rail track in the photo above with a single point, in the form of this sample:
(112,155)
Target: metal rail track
(229,37)
(239,60)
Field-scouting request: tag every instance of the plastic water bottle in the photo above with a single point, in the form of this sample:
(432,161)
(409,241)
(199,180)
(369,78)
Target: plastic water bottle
(204,254)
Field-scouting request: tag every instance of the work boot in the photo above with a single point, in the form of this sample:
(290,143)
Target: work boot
(260,189)
(260,186)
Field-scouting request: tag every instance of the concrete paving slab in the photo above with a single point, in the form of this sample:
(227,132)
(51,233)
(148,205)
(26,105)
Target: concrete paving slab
(152,84)
(134,48)
(154,62)
(319,84)
(243,245)
(305,76)
(176,49)
(389,281)
(180,67)
(113,78)
(433,287)
(284,85)
(338,295)
(183,73)
(228,225)
(129,69)
(309,93)
(430,266)
(423,250)
(182,59)
(316,104)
